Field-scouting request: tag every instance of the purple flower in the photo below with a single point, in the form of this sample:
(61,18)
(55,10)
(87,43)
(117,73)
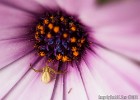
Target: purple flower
(106,64)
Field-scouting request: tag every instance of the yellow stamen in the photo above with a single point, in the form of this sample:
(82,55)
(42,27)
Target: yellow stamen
(65,58)
(50,26)
(82,40)
(73,39)
(59,56)
(40,27)
(49,35)
(76,53)
(42,54)
(56,29)
(36,36)
(52,17)
(65,35)
(73,28)
(73,49)
(42,32)
(46,21)
(62,18)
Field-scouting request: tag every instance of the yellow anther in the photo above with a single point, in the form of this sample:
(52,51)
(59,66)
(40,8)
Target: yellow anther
(42,54)
(65,35)
(42,32)
(65,58)
(73,39)
(58,57)
(73,28)
(56,29)
(50,26)
(82,40)
(36,36)
(49,35)
(73,49)
(62,18)
(52,17)
(76,53)
(46,21)
(40,27)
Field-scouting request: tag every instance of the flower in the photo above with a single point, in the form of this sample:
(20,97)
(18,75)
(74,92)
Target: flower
(112,69)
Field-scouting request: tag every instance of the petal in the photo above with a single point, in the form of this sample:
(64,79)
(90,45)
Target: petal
(47,3)
(111,13)
(93,84)
(124,39)
(12,75)
(13,50)
(120,32)
(11,17)
(29,6)
(121,70)
(118,76)
(75,7)
(74,85)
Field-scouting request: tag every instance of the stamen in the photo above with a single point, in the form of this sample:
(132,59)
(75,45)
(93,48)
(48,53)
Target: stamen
(50,26)
(60,37)
(56,29)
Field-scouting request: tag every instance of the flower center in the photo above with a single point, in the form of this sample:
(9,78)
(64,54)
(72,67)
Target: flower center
(60,37)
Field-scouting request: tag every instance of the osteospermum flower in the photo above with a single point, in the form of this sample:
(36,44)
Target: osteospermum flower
(83,51)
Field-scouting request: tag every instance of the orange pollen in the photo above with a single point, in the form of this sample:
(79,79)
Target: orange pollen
(83,40)
(65,35)
(73,39)
(62,18)
(52,17)
(42,32)
(59,56)
(73,28)
(40,27)
(65,58)
(46,21)
(76,53)
(36,36)
(49,35)
(73,49)
(42,54)
(50,26)
(56,29)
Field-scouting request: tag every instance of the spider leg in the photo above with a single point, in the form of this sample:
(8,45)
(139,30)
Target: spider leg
(56,72)
(40,70)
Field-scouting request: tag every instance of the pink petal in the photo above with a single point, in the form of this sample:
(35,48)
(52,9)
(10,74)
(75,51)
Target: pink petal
(111,13)
(11,17)
(119,76)
(11,74)
(116,26)
(94,85)
(75,6)
(29,6)
(124,39)
(74,86)
(12,50)
(47,3)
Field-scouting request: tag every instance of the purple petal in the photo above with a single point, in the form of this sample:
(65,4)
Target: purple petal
(11,17)
(75,6)
(74,82)
(30,6)
(114,77)
(47,3)
(111,13)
